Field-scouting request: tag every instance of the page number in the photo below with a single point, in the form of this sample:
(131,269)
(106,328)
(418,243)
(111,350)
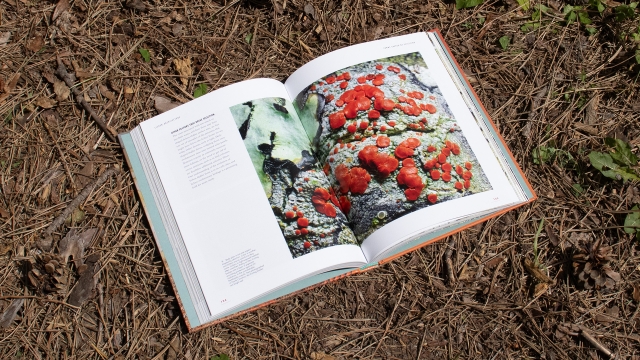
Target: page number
(223,301)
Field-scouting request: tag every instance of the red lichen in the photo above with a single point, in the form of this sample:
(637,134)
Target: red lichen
(347,76)
(392,123)
(393,69)
(467,184)
(330,79)
(344,177)
(363,125)
(329,98)
(459,170)
(430,109)
(378,80)
(383,141)
(337,120)
(344,84)
(326,169)
(446,176)
(415,94)
(468,165)
(467,175)
(435,174)
(352,128)
(307,244)
(456,149)
(297,232)
(408,163)
(442,158)
(379,66)
(303,222)
(289,214)
(431,148)
(402,77)
(432,198)
(362,80)
(447,167)
(359,180)
(383,128)
(458,185)
(345,204)
(374,114)
(403,151)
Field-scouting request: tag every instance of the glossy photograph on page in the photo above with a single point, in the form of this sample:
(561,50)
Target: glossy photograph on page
(388,141)
(303,202)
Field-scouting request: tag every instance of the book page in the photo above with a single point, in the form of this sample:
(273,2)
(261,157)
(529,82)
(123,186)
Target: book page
(397,139)
(206,153)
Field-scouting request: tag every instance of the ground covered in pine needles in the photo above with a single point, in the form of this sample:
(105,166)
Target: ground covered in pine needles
(557,279)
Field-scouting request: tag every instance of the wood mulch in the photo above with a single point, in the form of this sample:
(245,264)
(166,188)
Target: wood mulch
(474,295)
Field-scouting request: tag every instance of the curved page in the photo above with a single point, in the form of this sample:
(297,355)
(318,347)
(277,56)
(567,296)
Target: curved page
(401,148)
(241,178)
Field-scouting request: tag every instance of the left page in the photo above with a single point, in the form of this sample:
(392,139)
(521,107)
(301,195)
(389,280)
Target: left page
(216,157)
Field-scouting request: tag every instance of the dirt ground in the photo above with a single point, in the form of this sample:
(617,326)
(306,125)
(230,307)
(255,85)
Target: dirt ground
(475,295)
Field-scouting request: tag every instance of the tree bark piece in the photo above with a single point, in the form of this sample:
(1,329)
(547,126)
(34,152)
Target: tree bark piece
(46,242)
(69,79)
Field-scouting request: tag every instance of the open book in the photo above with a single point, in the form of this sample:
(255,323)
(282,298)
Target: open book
(260,189)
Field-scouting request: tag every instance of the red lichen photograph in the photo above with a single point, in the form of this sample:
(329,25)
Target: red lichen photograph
(388,140)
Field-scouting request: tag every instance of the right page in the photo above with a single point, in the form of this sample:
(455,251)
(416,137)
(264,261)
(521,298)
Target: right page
(400,146)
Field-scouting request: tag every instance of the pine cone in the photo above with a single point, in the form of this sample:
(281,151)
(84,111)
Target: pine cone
(46,274)
(591,267)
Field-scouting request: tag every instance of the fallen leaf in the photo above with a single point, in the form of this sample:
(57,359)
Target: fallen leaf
(614,275)
(536,272)
(86,283)
(540,289)
(552,235)
(45,102)
(136,5)
(636,292)
(321,356)
(163,104)
(61,90)
(61,7)
(4,38)
(174,349)
(10,313)
(74,244)
(35,44)
(309,10)
(494,262)
(11,84)
(106,93)
(3,213)
(183,67)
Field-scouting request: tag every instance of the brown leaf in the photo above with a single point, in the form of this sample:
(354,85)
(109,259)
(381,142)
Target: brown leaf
(3,212)
(552,235)
(106,93)
(10,313)
(320,355)
(35,44)
(86,283)
(61,90)
(136,5)
(536,273)
(163,104)
(494,262)
(74,244)
(9,86)
(540,289)
(4,38)
(45,102)
(636,292)
(183,67)
(174,349)
(61,7)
